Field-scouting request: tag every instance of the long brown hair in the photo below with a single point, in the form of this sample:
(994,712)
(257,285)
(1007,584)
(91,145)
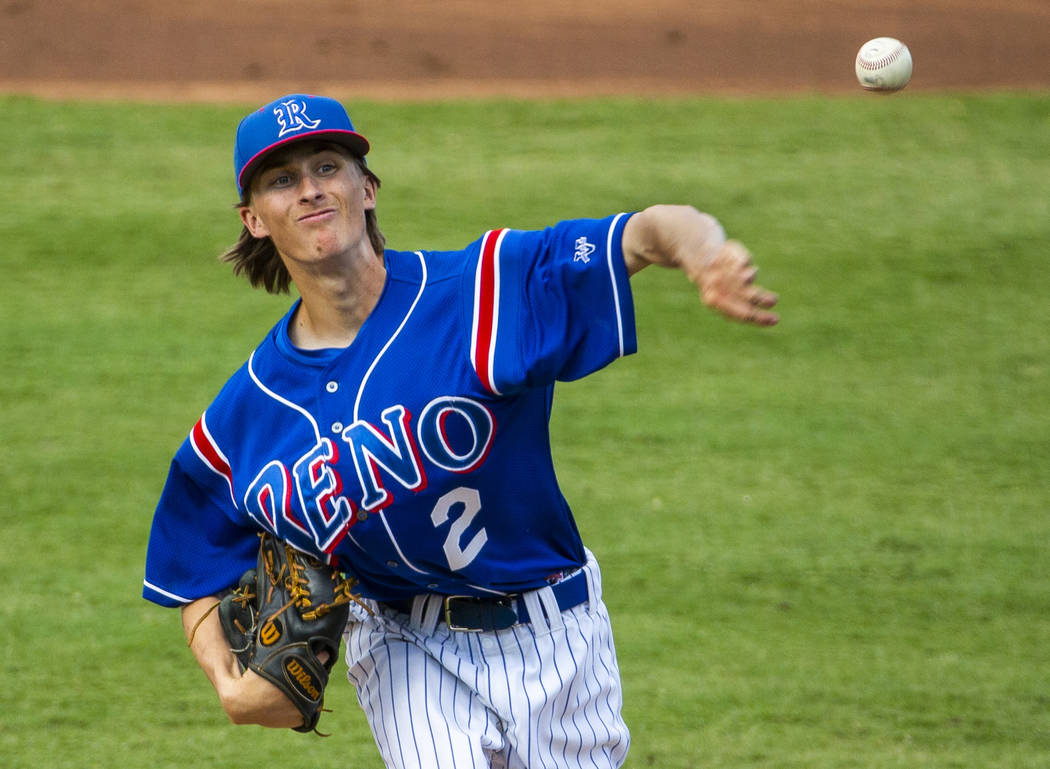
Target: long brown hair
(257,258)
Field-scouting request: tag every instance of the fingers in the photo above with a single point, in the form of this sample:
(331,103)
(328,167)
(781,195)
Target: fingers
(769,300)
(760,318)
(762,298)
(727,284)
(746,312)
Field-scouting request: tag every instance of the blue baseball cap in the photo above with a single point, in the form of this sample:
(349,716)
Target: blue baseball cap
(293,118)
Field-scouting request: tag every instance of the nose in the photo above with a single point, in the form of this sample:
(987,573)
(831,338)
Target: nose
(309,189)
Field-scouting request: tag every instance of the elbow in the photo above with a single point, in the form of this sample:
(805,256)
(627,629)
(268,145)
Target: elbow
(238,714)
(234,712)
(238,719)
(237,708)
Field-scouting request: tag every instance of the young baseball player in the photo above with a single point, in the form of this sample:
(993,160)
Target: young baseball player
(395,422)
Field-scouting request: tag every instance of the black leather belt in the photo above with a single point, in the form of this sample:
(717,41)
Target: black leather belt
(474,614)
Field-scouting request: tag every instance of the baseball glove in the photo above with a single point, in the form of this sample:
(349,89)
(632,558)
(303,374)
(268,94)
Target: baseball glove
(285,620)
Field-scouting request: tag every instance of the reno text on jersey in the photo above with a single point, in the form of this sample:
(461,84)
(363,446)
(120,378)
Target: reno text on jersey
(306,503)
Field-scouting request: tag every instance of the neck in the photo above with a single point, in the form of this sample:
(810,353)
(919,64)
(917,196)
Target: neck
(335,306)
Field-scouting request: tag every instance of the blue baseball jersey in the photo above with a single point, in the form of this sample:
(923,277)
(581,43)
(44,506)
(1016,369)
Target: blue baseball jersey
(418,458)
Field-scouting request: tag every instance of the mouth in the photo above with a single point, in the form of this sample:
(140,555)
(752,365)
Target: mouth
(316,216)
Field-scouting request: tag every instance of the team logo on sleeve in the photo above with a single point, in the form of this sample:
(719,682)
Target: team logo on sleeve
(292,117)
(584,249)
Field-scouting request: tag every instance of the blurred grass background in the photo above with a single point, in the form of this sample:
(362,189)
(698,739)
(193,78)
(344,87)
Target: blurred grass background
(824,544)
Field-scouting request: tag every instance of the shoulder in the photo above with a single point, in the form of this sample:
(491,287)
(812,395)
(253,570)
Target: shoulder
(574,241)
(432,266)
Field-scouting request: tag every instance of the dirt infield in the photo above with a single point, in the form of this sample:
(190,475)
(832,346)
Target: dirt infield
(206,50)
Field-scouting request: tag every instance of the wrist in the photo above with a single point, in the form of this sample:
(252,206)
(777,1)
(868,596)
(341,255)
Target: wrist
(251,699)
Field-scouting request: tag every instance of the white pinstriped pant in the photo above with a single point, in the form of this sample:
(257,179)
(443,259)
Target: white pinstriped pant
(539,695)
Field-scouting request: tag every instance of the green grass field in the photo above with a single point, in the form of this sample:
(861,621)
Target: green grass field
(825,544)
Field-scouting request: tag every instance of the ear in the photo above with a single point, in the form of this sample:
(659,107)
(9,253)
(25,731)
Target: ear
(370,193)
(253,222)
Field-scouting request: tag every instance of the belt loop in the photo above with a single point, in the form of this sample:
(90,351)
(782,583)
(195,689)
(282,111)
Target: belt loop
(415,617)
(431,611)
(533,606)
(594,581)
(551,608)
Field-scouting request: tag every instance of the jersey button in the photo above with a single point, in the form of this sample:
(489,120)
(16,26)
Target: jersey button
(362,515)
(392,564)
(337,427)
(332,386)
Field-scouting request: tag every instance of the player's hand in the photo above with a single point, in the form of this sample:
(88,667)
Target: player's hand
(726,279)
(249,698)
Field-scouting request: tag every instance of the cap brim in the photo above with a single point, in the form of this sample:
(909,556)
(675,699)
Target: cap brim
(352,140)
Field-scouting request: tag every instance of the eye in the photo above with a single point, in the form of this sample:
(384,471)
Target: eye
(278,179)
(327,167)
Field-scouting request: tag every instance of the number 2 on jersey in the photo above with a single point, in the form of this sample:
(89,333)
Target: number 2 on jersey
(458,555)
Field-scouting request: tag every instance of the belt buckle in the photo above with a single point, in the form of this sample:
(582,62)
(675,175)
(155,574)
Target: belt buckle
(448,614)
(504,602)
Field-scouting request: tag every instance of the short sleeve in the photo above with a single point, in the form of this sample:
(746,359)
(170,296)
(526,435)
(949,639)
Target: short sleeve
(551,304)
(195,547)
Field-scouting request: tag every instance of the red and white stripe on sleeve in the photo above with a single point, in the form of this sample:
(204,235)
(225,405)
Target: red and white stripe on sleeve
(486,309)
(210,454)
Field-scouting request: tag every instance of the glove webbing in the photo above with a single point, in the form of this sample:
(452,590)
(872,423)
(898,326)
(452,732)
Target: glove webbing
(297,585)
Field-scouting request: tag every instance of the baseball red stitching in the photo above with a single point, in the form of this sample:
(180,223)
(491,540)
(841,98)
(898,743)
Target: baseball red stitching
(880,63)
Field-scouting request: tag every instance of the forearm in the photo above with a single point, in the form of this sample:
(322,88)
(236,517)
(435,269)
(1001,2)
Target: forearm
(671,236)
(246,697)
(200,623)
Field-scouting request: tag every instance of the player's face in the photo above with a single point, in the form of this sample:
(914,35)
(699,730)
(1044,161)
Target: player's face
(310,199)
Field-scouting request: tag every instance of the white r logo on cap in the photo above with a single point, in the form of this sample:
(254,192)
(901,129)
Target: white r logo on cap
(291,116)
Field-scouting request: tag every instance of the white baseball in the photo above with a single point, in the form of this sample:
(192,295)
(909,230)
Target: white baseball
(884,64)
